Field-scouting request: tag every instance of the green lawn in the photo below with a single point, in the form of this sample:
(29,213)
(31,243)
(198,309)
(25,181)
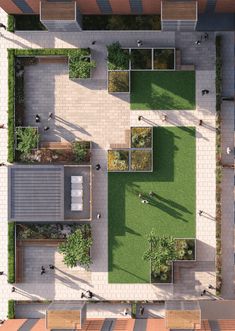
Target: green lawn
(171,211)
(163,90)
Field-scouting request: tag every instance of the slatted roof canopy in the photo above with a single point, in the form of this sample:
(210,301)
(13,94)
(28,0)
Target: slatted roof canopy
(183,315)
(66,315)
(179,10)
(36,193)
(57,11)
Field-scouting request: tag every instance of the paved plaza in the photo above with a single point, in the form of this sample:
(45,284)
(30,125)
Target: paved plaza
(85,110)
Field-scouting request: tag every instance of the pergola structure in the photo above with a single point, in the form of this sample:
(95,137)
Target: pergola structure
(179,15)
(184,315)
(66,315)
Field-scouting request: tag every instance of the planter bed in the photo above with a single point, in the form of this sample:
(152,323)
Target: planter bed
(141,59)
(165,277)
(141,137)
(163,59)
(118,82)
(118,58)
(118,160)
(141,160)
(121,22)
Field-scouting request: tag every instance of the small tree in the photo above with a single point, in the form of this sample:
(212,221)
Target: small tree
(161,251)
(81,151)
(27,139)
(76,249)
(118,58)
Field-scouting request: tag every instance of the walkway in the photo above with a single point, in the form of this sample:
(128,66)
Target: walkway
(228,271)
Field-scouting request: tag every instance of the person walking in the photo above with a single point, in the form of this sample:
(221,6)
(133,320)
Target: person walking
(46,128)
(43,271)
(140,118)
(198,42)
(50,116)
(98,167)
(1,126)
(51,266)
(37,118)
(200,212)
(200,122)
(89,294)
(139,43)
(141,310)
(205,92)
(98,216)
(144,201)
(2,26)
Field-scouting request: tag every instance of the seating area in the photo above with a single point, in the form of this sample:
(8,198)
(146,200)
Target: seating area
(76,193)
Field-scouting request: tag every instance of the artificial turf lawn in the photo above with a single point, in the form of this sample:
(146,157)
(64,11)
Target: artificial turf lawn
(163,90)
(170,212)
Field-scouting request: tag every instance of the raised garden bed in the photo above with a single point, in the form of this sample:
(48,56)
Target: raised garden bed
(45,231)
(118,58)
(163,59)
(118,81)
(186,249)
(27,139)
(165,275)
(118,160)
(141,137)
(80,65)
(141,160)
(121,22)
(25,23)
(141,59)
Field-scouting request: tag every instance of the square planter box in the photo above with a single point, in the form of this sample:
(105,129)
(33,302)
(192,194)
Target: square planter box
(164,59)
(141,137)
(118,81)
(141,59)
(124,66)
(141,160)
(118,160)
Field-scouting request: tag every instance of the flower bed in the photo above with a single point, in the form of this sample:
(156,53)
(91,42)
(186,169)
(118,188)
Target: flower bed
(186,249)
(141,160)
(118,81)
(80,64)
(118,160)
(141,137)
(27,139)
(141,59)
(164,59)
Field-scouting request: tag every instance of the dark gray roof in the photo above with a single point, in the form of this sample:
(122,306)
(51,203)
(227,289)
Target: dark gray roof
(36,193)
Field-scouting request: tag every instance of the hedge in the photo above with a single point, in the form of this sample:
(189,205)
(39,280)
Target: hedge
(11,23)
(11,309)
(11,253)
(218,84)
(12,53)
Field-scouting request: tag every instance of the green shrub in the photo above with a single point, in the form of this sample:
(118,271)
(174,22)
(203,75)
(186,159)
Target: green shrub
(80,65)
(81,151)
(76,248)
(11,309)
(118,58)
(121,22)
(10,23)
(28,23)
(11,103)
(141,160)
(27,139)
(118,81)
(118,160)
(141,137)
(11,253)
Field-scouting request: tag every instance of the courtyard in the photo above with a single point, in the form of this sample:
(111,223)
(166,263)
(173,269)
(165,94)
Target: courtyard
(171,209)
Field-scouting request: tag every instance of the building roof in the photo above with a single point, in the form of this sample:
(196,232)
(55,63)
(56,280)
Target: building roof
(179,10)
(36,193)
(58,11)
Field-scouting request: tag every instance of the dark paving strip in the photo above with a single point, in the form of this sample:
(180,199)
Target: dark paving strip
(104,6)
(22,4)
(140,325)
(27,326)
(210,6)
(216,22)
(136,6)
(214,325)
(109,324)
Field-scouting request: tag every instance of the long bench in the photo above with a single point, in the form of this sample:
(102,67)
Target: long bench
(56,145)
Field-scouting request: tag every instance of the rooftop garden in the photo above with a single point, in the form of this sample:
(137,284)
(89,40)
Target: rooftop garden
(163,90)
(170,211)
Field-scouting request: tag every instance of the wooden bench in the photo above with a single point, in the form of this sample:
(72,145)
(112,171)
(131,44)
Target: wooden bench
(123,145)
(53,59)
(56,145)
(41,242)
(178,59)
(187,67)
(19,268)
